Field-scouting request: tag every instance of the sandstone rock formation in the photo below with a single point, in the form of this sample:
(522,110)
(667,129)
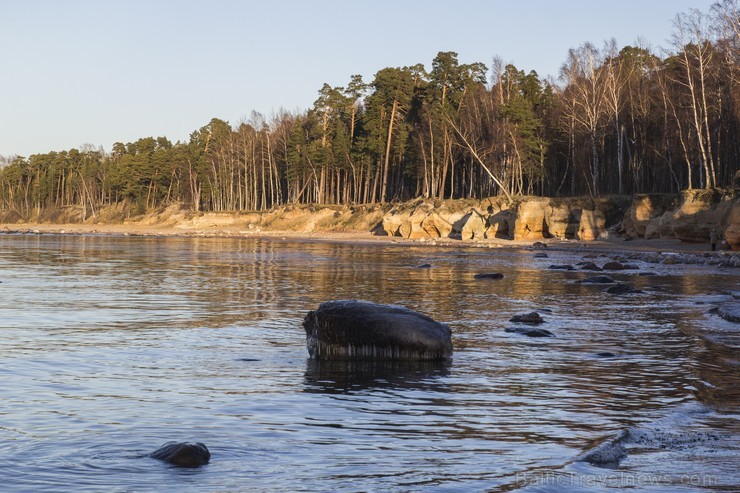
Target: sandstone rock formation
(732,233)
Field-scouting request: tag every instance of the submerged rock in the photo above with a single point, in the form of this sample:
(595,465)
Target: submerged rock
(489,275)
(183,454)
(730,311)
(613,265)
(528,318)
(598,280)
(540,255)
(352,329)
(609,454)
(424,266)
(530,332)
(561,267)
(606,354)
(622,289)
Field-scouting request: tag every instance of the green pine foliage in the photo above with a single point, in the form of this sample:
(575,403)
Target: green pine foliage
(622,121)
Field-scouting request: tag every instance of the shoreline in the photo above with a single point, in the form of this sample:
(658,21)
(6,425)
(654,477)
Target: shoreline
(615,245)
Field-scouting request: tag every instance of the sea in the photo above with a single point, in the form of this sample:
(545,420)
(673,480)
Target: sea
(111,346)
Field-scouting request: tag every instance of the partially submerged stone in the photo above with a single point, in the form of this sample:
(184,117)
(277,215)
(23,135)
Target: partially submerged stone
(352,329)
(622,289)
(613,265)
(530,332)
(730,311)
(588,265)
(528,318)
(183,454)
(598,280)
(489,275)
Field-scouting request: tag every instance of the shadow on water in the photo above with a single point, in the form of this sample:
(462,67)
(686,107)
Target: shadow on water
(343,377)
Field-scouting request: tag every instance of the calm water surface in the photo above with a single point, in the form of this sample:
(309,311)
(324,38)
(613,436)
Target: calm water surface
(111,346)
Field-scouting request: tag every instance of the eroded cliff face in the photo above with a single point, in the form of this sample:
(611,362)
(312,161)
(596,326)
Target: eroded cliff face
(689,216)
(530,218)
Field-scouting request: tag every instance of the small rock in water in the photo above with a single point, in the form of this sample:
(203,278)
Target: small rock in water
(538,245)
(730,311)
(589,266)
(530,332)
(424,266)
(622,289)
(183,454)
(540,255)
(613,266)
(489,275)
(561,267)
(598,280)
(528,318)
(647,274)
(605,354)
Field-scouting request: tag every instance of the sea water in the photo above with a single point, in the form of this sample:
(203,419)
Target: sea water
(111,346)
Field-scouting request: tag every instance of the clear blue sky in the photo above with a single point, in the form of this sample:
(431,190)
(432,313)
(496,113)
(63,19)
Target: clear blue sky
(74,72)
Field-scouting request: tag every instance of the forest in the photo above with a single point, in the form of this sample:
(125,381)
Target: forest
(615,121)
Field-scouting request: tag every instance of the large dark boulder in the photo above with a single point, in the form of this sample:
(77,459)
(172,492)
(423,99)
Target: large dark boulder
(183,454)
(351,329)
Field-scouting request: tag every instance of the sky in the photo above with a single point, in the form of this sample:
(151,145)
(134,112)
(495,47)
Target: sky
(79,72)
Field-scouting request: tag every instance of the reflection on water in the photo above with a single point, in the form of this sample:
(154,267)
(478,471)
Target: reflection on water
(112,346)
(350,376)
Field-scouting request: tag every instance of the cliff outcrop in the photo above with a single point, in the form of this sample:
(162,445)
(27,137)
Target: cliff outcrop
(689,216)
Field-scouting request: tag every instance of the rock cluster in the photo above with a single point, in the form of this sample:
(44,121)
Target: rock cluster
(688,216)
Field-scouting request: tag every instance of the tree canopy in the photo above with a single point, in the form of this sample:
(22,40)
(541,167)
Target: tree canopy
(617,121)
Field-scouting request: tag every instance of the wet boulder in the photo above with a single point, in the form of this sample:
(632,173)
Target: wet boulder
(352,329)
(530,332)
(183,454)
(621,289)
(588,265)
(598,280)
(561,267)
(528,318)
(613,265)
(730,311)
(489,275)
